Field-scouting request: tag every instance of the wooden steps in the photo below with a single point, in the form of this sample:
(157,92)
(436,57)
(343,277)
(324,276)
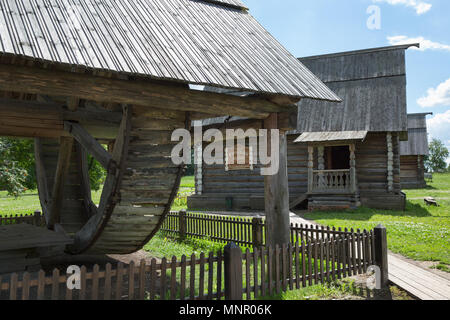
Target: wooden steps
(298,201)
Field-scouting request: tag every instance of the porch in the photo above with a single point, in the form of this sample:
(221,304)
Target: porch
(332,179)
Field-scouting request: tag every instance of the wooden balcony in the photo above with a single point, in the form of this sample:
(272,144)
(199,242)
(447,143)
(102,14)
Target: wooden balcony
(334,181)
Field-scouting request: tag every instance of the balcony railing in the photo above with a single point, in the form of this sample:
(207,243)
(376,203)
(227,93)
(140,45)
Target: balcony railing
(331,180)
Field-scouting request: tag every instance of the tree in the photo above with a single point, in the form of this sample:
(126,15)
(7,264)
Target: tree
(436,160)
(97,173)
(18,170)
(12,176)
(21,152)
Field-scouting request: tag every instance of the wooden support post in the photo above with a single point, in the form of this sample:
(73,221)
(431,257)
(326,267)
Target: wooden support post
(83,171)
(257,232)
(390,163)
(65,152)
(233,272)
(41,178)
(381,253)
(353,183)
(182,224)
(37,218)
(310,168)
(198,155)
(276,192)
(321,166)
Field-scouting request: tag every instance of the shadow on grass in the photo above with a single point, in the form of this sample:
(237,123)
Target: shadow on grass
(365,214)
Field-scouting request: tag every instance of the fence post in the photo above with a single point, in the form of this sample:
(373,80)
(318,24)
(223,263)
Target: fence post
(182,224)
(233,272)
(257,226)
(381,254)
(37,218)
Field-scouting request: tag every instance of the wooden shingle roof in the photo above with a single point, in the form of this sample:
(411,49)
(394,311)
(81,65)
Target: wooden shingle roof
(372,85)
(201,42)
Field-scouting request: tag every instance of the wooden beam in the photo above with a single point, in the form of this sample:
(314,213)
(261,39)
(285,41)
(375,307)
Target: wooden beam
(73,103)
(83,171)
(65,152)
(88,142)
(276,192)
(138,92)
(38,119)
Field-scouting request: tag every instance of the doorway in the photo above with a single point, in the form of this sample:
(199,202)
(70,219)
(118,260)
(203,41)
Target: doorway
(337,158)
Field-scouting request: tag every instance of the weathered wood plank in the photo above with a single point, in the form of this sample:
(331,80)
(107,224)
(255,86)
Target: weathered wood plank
(65,152)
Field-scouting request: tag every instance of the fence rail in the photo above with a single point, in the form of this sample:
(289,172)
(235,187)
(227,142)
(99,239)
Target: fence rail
(35,218)
(232,275)
(249,232)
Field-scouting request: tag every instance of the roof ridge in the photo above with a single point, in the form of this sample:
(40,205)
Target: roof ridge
(355,52)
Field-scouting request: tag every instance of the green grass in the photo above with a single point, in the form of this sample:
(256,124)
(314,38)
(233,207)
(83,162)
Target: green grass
(161,246)
(337,290)
(187,188)
(420,232)
(29,201)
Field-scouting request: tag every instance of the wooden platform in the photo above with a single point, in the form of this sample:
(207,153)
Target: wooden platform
(419,282)
(22,245)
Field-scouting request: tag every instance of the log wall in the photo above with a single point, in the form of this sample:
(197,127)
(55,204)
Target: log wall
(247,187)
(372,172)
(412,172)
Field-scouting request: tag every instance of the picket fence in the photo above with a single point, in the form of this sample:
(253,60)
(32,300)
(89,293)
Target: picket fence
(316,255)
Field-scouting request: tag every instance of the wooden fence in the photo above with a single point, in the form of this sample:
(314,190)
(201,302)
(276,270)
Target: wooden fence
(248,232)
(233,274)
(35,218)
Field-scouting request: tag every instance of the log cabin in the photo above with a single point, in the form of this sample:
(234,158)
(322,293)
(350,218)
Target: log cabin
(341,155)
(414,151)
(78,75)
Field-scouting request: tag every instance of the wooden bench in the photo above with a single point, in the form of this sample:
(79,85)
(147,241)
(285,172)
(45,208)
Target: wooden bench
(429,201)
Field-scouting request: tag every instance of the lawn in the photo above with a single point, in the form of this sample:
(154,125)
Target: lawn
(29,202)
(345,289)
(420,232)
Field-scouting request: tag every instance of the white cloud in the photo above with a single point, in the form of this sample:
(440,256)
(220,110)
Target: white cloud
(439,96)
(425,44)
(421,7)
(439,127)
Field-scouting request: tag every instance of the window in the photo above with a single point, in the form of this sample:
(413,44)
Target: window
(231,163)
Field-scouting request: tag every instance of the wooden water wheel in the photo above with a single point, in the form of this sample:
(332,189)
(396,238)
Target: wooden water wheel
(138,192)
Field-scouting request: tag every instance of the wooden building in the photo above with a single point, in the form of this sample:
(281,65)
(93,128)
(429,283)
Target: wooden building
(341,155)
(413,152)
(78,74)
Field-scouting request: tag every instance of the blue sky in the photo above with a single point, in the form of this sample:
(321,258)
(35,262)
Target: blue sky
(325,26)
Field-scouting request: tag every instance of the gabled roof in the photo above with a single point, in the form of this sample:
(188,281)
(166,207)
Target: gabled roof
(372,85)
(417,144)
(203,42)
